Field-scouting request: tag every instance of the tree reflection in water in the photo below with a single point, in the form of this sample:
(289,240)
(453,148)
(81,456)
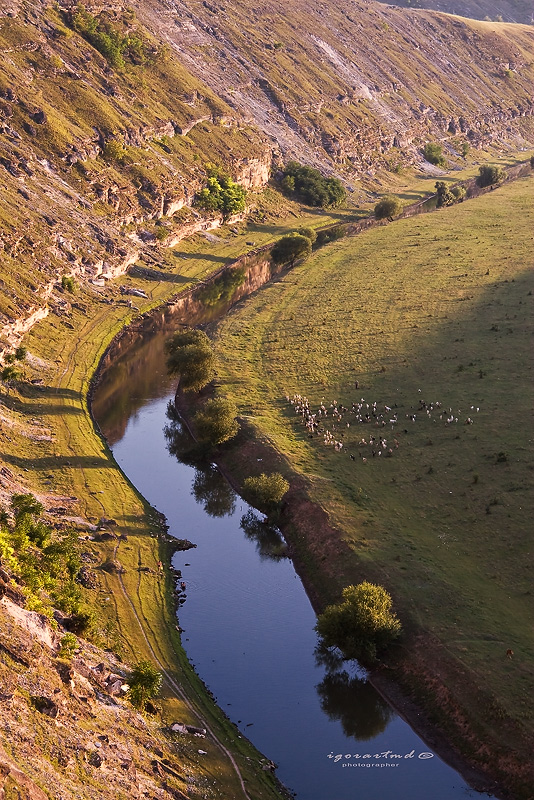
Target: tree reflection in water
(209,488)
(212,490)
(269,540)
(352,700)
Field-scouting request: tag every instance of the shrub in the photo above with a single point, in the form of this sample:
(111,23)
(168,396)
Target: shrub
(145,683)
(216,421)
(68,283)
(489,175)
(311,187)
(445,195)
(67,646)
(289,248)
(221,193)
(114,151)
(266,490)
(361,625)
(433,153)
(388,207)
(190,355)
(329,235)
(309,233)
(81,623)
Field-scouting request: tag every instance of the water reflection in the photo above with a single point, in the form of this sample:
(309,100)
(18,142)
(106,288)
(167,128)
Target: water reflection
(355,703)
(268,539)
(211,489)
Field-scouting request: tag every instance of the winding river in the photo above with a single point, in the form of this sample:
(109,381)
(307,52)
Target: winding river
(248,624)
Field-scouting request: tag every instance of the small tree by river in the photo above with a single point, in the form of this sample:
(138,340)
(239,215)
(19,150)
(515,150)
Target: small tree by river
(190,355)
(362,625)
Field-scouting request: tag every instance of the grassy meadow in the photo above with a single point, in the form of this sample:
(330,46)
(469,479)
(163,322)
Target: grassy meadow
(437,309)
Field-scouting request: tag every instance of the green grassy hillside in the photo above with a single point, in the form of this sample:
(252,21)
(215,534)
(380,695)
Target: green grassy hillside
(432,317)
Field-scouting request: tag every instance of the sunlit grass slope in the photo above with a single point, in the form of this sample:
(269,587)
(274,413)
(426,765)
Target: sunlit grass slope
(435,309)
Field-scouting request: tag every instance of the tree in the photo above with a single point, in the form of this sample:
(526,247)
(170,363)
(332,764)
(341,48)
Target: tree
(309,233)
(190,355)
(216,422)
(445,196)
(489,175)
(289,248)
(362,624)
(221,193)
(145,684)
(433,153)
(266,490)
(311,187)
(388,207)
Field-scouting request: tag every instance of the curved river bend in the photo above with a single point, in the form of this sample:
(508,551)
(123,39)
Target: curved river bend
(248,624)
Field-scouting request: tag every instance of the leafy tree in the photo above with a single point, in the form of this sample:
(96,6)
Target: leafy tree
(68,283)
(289,248)
(311,187)
(489,175)
(266,490)
(145,683)
(21,352)
(459,193)
(329,235)
(388,207)
(362,624)
(309,233)
(216,421)
(433,153)
(445,196)
(9,375)
(190,355)
(221,193)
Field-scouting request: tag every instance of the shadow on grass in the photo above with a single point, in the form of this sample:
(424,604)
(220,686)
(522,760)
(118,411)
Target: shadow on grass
(58,462)
(37,409)
(203,257)
(36,390)
(151,274)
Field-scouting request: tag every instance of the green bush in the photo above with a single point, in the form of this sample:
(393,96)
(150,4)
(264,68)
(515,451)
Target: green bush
(67,646)
(309,233)
(108,39)
(266,490)
(329,235)
(362,625)
(312,188)
(190,355)
(289,248)
(489,175)
(388,207)
(68,283)
(145,683)
(433,153)
(221,193)
(216,422)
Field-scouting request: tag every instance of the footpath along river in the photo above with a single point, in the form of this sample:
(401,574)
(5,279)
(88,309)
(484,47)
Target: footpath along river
(248,624)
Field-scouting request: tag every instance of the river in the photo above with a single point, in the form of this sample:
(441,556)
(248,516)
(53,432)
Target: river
(248,624)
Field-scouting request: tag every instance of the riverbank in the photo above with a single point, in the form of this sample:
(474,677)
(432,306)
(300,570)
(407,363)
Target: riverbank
(453,660)
(51,448)
(65,463)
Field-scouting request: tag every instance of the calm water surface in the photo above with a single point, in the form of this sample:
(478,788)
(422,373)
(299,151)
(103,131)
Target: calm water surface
(249,624)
